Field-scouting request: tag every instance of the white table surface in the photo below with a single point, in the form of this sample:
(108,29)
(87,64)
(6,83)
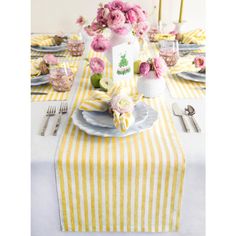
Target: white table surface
(44,204)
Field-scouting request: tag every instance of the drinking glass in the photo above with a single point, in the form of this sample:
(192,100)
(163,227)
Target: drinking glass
(61,77)
(169,51)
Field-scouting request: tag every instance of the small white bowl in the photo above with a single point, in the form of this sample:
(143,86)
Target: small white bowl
(150,86)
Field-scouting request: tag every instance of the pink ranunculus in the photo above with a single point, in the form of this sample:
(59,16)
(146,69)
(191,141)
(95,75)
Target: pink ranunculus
(97,65)
(141,14)
(200,62)
(159,66)
(80,21)
(131,16)
(116,19)
(100,44)
(88,29)
(50,59)
(144,68)
(102,15)
(141,28)
(122,104)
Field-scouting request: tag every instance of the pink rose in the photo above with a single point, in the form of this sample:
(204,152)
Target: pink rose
(80,21)
(96,27)
(131,16)
(100,44)
(141,14)
(140,29)
(117,5)
(159,66)
(144,68)
(50,59)
(116,19)
(97,65)
(200,62)
(122,104)
(88,29)
(102,15)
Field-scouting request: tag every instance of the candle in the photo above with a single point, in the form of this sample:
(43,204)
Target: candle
(159,13)
(181,11)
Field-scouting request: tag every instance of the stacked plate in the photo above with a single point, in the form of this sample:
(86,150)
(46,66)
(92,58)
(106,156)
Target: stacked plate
(55,48)
(193,76)
(101,123)
(189,47)
(39,80)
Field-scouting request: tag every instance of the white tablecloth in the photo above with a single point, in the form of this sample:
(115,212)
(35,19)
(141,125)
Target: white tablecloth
(44,203)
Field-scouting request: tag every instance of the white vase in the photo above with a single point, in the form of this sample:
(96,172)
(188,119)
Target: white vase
(150,86)
(116,39)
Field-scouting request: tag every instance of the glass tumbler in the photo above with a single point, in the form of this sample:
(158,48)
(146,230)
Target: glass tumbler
(169,51)
(61,78)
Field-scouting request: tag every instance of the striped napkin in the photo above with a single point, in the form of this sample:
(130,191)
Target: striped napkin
(131,184)
(52,94)
(41,54)
(180,88)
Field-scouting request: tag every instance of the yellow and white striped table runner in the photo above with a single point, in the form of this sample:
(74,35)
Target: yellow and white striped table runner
(180,88)
(131,184)
(53,95)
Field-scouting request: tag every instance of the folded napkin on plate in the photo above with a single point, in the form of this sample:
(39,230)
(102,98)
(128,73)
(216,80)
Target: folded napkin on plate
(197,36)
(117,101)
(42,40)
(159,37)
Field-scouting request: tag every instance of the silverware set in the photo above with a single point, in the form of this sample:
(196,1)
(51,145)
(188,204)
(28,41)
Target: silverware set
(52,111)
(189,111)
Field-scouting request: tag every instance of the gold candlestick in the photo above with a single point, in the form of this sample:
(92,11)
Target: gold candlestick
(160,10)
(181,11)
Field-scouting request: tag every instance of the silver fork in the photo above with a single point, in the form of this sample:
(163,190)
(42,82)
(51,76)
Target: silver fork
(50,112)
(63,110)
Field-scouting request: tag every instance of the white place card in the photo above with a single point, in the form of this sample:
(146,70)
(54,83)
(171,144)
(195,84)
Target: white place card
(122,62)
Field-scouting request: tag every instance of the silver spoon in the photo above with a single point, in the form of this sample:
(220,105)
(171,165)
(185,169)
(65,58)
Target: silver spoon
(190,111)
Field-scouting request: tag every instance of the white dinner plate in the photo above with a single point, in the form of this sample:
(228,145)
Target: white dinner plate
(192,76)
(104,119)
(39,80)
(82,124)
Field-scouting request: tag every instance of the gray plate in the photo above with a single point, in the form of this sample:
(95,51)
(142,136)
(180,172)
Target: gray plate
(190,47)
(192,76)
(59,48)
(80,122)
(39,80)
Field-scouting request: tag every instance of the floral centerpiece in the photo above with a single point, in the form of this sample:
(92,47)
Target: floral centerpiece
(151,83)
(123,19)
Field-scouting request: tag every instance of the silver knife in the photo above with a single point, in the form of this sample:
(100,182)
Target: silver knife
(177,111)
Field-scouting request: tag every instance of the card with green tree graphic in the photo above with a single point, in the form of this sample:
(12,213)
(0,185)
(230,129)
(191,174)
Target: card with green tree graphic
(122,58)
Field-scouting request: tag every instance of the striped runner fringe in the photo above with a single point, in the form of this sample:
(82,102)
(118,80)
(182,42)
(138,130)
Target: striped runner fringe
(131,184)
(53,95)
(180,88)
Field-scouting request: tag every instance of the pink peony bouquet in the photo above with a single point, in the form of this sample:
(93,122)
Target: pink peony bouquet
(118,16)
(156,64)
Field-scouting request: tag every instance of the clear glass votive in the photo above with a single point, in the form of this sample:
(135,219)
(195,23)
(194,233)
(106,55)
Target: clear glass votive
(75,47)
(169,51)
(61,78)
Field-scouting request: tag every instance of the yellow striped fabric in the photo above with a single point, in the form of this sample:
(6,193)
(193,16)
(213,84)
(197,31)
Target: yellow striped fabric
(52,94)
(131,184)
(180,88)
